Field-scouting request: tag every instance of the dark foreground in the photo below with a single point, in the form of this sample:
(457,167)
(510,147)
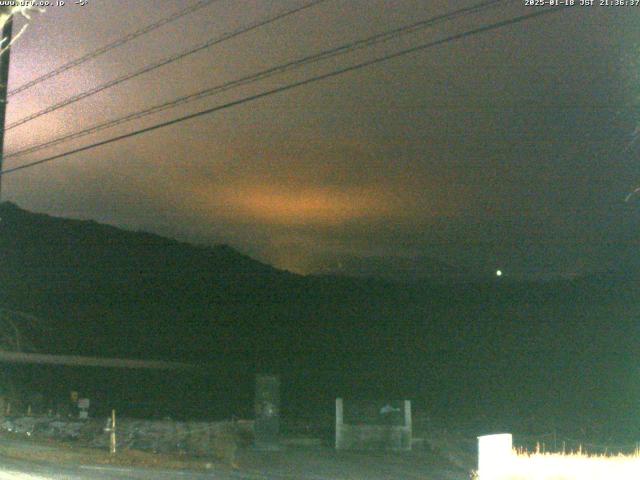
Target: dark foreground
(316,463)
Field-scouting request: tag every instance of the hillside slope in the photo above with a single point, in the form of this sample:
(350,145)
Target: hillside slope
(558,350)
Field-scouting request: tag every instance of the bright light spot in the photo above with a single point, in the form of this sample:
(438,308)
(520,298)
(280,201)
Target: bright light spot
(569,466)
(498,460)
(498,273)
(6,13)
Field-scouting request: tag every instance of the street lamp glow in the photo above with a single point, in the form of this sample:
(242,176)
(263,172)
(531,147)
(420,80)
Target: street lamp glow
(498,273)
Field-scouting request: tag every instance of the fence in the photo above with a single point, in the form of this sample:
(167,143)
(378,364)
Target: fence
(163,436)
(373,426)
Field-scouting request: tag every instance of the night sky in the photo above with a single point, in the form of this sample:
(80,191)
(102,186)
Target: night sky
(511,149)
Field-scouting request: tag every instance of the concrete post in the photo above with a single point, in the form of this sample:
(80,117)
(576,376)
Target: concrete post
(407,414)
(267,407)
(408,423)
(494,455)
(339,422)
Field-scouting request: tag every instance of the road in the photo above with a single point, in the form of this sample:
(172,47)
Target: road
(22,470)
(289,464)
(11,469)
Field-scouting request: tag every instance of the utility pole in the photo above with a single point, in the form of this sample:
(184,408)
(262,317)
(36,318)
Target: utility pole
(7,33)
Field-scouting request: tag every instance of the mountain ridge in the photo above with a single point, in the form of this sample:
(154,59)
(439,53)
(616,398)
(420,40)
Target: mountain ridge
(106,292)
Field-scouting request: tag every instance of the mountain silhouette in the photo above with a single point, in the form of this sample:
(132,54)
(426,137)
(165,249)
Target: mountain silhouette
(561,349)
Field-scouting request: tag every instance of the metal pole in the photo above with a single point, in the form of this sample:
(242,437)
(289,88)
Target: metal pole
(112,446)
(7,34)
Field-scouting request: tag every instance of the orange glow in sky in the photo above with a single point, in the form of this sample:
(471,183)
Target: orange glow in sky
(316,205)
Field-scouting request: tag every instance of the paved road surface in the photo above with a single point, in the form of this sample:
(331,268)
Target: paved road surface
(22,470)
(291,464)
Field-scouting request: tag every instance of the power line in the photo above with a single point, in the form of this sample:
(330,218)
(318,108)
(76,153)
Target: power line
(317,78)
(326,54)
(80,361)
(121,41)
(161,63)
